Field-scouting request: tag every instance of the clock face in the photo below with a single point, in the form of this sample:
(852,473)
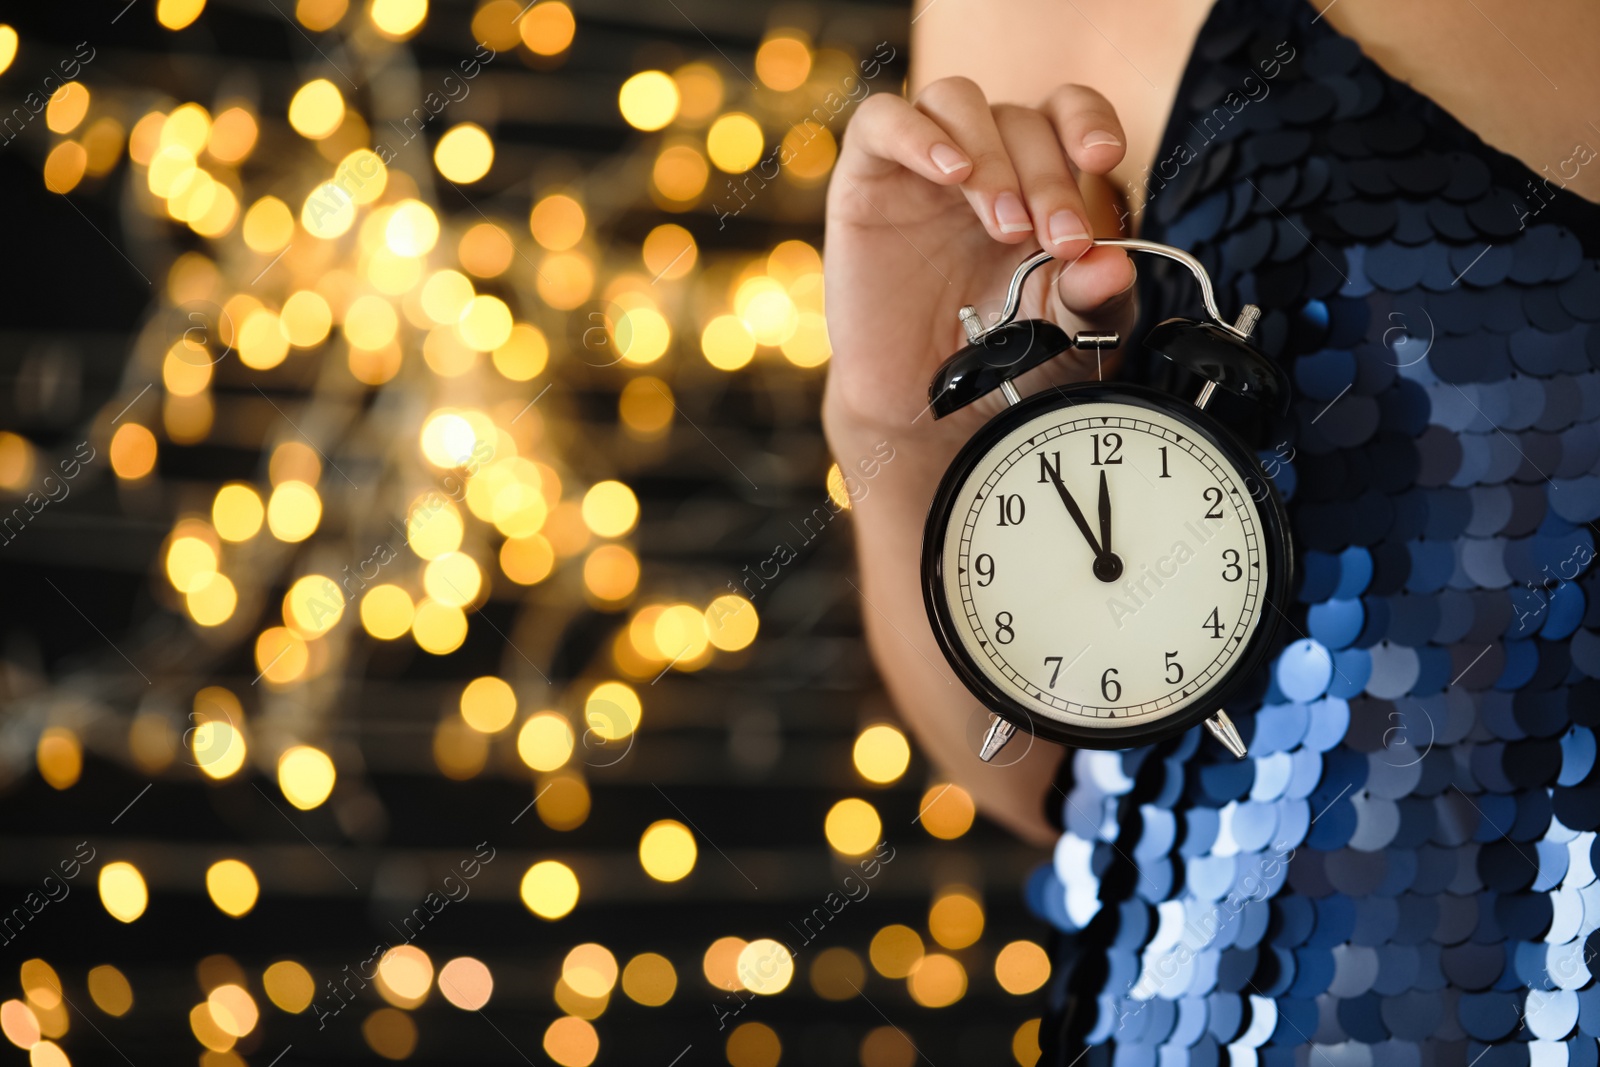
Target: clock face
(1104,566)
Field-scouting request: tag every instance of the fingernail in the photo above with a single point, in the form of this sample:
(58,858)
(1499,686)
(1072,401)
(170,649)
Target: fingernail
(1066,226)
(1010,215)
(1096,138)
(947,159)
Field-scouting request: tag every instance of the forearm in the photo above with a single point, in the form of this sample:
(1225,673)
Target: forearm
(947,721)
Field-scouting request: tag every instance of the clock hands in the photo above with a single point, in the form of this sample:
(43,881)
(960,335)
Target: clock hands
(1107,567)
(1107,564)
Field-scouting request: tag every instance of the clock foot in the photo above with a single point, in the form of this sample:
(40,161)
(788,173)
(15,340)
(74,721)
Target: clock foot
(999,733)
(1223,730)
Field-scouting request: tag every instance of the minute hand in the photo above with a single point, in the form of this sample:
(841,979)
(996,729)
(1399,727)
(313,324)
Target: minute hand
(1076,513)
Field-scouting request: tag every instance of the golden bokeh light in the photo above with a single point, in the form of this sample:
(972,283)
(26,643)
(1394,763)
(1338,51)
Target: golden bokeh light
(219,748)
(548,28)
(549,889)
(563,802)
(438,628)
(721,962)
(133,451)
(459,751)
(110,990)
(938,982)
(735,142)
(669,252)
(612,711)
(895,951)
(59,757)
(412,230)
(680,174)
(611,573)
(466,983)
(405,975)
(527,560)
(727,343)
(590,970)
(731,622)
(765,966)
(811,151)
(485,250)
(122,891)
(571,1042)
(464,154)
(306,776)
(700,90)
(176,14)
(268,225)
(1022,967)
(947,811)
(398,19)
(41,985)
(387,612)
(887,1046)
(557,222)
(488,704)
(753,1044)
(881,754)
(610,509)
(281,655)
(233,1009)
(66,107)
(565,279)
(523,355)
(783,61)
(837,974)
(649,979)
(648,100)
(8,47)
(313,605)
(485,323)
(233,135)
(289,986)
(390,1033)
(956,918)
(232,887)
(667,850)
(305,319)
(328,211)
(293,511)
(545,742)
(453,578)
(852,826)
(316,109)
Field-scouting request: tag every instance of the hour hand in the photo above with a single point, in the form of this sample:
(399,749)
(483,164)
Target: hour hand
(1076,513)
(1107,564)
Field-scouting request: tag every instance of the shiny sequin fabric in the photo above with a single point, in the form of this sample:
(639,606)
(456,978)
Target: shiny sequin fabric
(1403,871)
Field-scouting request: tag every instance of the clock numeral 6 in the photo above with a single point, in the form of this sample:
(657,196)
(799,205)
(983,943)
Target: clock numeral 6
(1003,632)
(1174,665)
(1232,565)
(1110,688)
(984,565)
(1012,509)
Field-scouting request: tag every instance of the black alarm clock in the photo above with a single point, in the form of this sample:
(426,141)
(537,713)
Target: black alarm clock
(1103,563)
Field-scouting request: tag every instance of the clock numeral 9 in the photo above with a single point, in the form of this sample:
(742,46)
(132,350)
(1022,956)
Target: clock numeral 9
(1003,633)
(1174,665)
(1113,443)
(1232,565)
(984,565)
(1110,688)
(1214,624)
(1213,497)
(1012,509)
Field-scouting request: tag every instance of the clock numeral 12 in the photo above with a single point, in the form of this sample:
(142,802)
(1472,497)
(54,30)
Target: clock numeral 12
(1113,442)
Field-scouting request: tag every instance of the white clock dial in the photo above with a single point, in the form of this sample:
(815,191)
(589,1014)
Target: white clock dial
(1024,580)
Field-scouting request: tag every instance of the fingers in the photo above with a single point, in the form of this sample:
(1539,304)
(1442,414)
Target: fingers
(1098,285)
(1087,127)
(991,187)
(888,132)
(1052,196)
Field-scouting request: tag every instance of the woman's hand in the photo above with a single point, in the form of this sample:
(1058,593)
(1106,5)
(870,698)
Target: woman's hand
(932,206)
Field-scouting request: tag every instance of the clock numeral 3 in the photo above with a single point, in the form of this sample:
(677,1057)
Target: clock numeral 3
(1214,624)
(1003,633)
(984,565)
(1232,565)
(1174,665)
(1110,688)
(1012,509)
(1213,497)
(1113,443)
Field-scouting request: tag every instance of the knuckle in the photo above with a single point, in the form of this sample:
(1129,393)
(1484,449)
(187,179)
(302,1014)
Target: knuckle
(1072,98)
(952,90)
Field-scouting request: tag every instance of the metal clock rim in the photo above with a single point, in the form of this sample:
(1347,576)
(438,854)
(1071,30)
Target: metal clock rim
(1276,591)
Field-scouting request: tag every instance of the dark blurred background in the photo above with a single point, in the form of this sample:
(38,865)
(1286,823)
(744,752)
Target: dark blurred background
(428,632)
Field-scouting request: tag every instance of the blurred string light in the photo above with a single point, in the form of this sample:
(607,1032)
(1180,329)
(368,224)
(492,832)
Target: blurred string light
(342,258)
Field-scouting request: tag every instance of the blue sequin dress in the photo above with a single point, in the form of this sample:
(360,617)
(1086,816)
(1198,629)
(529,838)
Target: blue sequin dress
(1403,872)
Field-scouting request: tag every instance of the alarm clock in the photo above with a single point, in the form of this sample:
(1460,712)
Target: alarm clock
(1103,564)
